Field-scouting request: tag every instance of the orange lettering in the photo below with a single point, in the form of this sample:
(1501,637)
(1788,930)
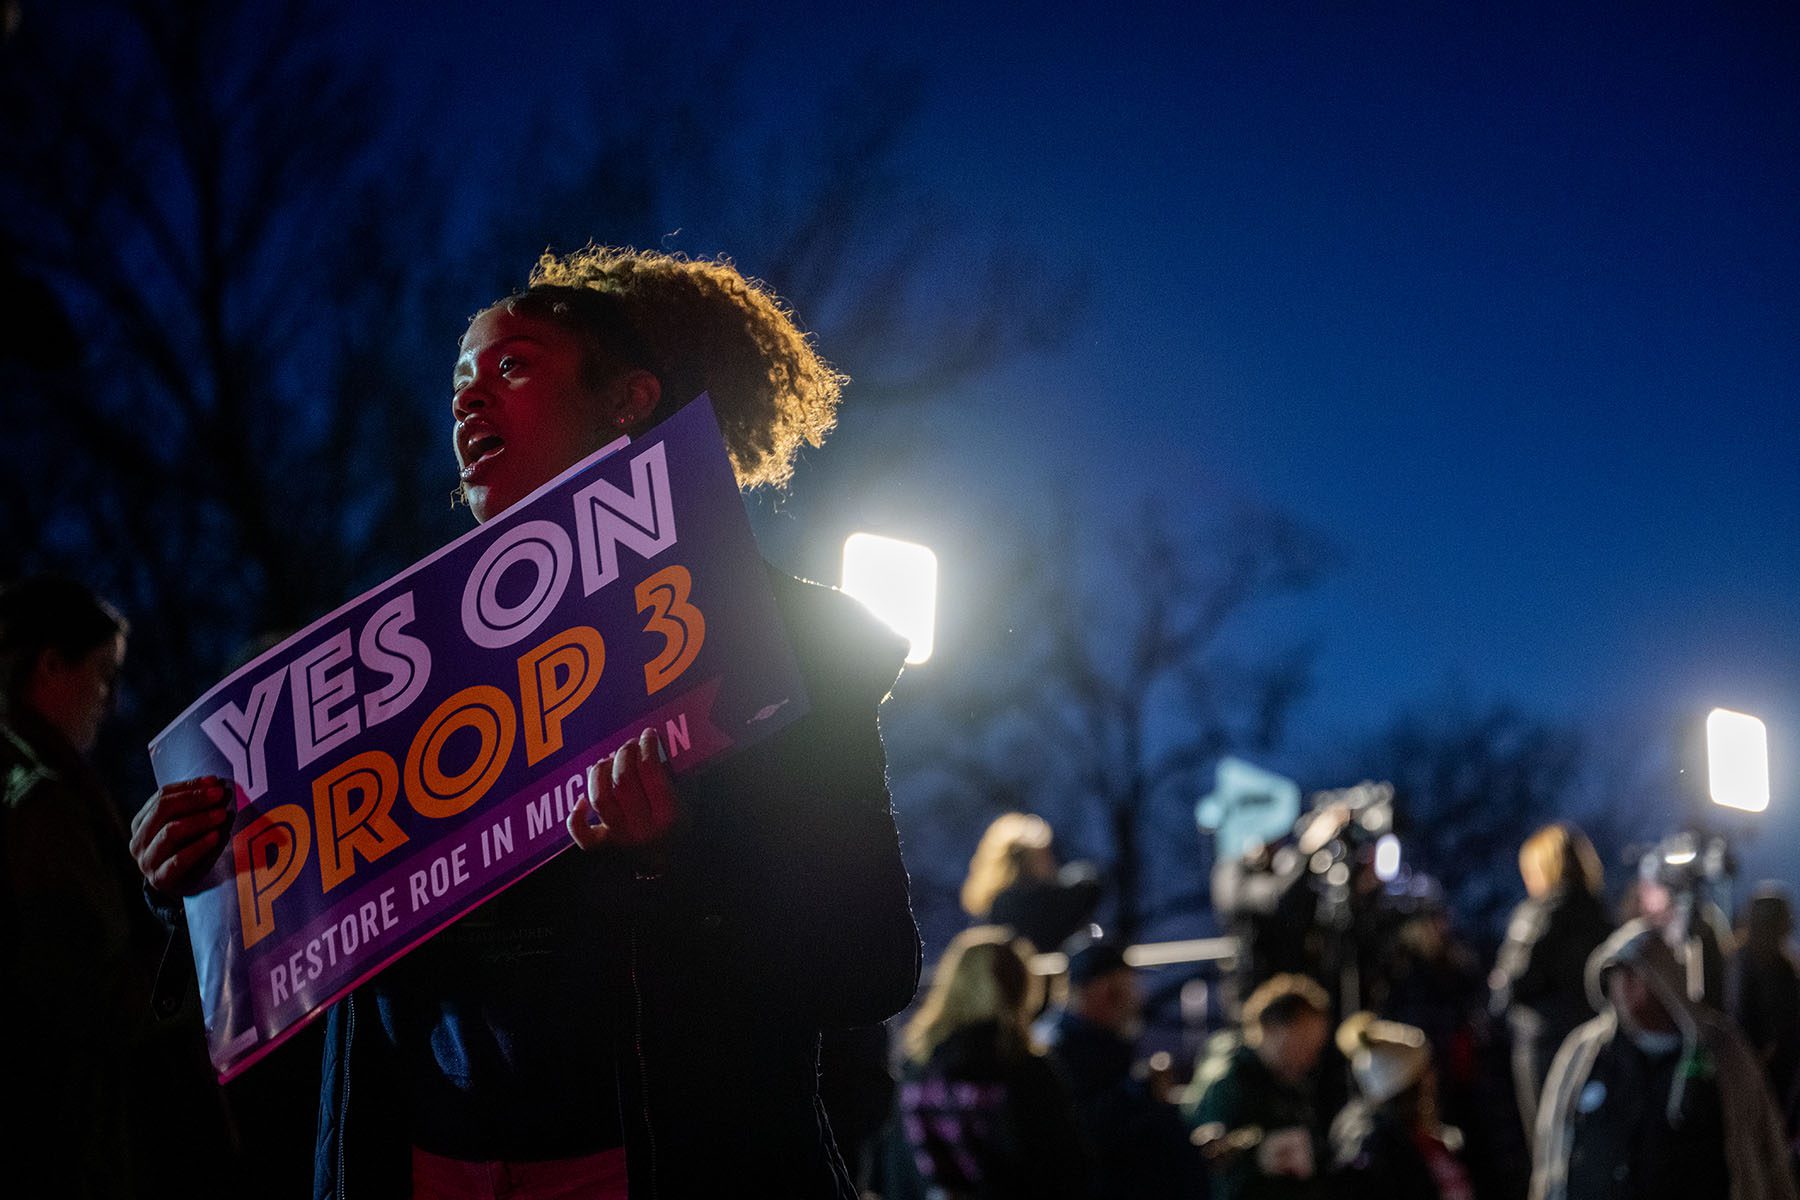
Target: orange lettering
(554,679)
(491,715)
(682,626)
(347,826)
(268,854)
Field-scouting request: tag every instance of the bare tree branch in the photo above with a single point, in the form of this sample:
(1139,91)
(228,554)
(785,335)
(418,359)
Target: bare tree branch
(1125,693)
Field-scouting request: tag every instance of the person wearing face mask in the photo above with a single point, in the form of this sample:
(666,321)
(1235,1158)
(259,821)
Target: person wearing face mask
(1656,1097)
(642,1019)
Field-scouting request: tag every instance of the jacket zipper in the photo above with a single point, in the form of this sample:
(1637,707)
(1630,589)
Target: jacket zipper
(637,1040)
(343,1189)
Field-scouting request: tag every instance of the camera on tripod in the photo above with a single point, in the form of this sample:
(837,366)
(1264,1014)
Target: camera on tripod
(1688,862)
(1343,826)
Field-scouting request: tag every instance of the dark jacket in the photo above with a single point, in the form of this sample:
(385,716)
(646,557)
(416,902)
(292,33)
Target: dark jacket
(983,1126)
(1694,1118)
(1540,983)
(1140,1142)
(1047,912)
(1235,1089)
(1267,903)
(79,959)
(1762,994)
(783,910)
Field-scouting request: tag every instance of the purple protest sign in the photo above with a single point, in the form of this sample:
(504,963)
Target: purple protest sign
(415,752)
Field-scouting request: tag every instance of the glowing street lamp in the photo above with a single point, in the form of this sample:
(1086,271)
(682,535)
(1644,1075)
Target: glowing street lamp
(898,582)
(1737,760)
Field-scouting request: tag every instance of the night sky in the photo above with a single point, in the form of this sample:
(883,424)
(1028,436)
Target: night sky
(1501,299)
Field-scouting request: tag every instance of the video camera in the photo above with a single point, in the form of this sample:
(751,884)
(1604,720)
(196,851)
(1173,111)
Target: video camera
(1694,872)
(1342,822)
(1688,861)
(1350,830)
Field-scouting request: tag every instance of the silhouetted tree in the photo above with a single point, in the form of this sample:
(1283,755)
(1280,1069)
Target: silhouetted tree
(264,286)
(162,179)
(1471,784)
(1110,675)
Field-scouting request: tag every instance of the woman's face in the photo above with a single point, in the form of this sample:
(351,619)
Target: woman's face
(76,696)
(523,413)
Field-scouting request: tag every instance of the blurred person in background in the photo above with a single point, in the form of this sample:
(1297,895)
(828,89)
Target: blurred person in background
(1139,1139)
(81,949)
(1436,984)
(1538,983)
(1762,990)
(1676,899)
(1658,1097)
(1251,1103)
(1014,880)
(985,1114)
(1311,904)
(1388,1143)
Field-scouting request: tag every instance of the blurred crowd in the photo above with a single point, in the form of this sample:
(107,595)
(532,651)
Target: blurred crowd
(1645,1051)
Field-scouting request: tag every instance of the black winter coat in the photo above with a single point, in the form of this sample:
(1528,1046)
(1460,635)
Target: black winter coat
(783,911)
(983,1125)
(1540,979)
(78,955)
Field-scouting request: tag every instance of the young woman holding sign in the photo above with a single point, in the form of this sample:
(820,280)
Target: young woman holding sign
(651,1009)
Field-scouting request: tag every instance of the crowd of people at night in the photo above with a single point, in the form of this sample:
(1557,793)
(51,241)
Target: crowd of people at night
(1639,1052)
(694,1004)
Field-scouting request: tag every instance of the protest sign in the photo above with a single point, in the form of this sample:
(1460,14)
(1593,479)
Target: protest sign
(415,752)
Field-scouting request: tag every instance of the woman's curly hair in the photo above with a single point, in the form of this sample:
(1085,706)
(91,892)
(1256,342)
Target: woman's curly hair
(699,326)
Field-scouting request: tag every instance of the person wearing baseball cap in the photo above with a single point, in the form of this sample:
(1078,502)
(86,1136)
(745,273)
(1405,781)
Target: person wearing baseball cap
(1138,1135)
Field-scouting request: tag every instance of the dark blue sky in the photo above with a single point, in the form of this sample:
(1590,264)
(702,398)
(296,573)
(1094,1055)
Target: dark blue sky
(1501,298)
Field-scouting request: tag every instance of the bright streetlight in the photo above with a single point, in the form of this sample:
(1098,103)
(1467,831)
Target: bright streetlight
(898,582)
(1737,760)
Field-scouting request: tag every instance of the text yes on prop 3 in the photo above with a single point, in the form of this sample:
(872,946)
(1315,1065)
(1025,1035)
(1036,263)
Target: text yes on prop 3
(352,802)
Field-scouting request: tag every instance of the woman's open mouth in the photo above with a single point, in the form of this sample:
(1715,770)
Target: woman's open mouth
(480,453)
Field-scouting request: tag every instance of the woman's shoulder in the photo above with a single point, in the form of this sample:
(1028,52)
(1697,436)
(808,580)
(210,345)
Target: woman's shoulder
(837,641)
